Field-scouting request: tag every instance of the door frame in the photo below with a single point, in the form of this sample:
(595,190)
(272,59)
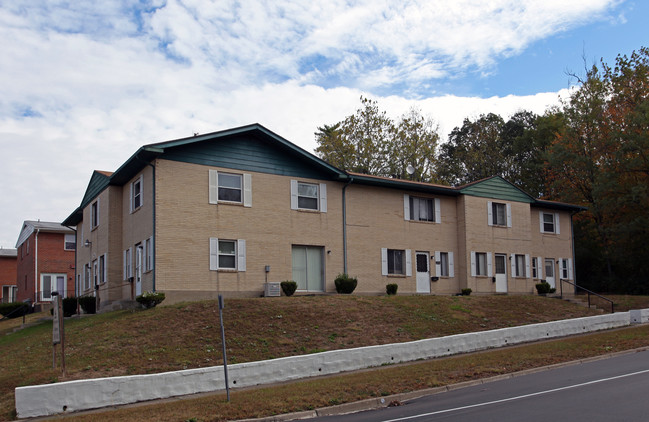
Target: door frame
(552,281)
(322,287)
(501,278)
(422,278)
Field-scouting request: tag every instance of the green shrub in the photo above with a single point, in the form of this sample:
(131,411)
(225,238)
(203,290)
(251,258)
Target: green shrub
(543,288)
(88,304)
(391,288)
(288,287)
(14,309)
(69,306)
(345,284)
(466,292)
(150,299)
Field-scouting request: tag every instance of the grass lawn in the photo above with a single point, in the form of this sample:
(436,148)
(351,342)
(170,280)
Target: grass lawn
(187,335)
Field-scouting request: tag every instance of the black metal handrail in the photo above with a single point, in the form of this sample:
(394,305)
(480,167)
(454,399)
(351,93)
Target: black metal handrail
(561,281)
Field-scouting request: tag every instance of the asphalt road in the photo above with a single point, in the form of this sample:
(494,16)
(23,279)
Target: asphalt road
(611,390)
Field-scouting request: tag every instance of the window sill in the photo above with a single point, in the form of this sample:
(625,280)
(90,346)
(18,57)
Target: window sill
(397,276)
(227,270)
(136,210)
(308,210)
(423,221)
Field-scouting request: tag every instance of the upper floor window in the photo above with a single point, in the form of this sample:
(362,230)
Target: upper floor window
(549,222)
(94,214)
(499,214)
(308,196)
(136,194)
(421,209)
(230,187)
(70,242)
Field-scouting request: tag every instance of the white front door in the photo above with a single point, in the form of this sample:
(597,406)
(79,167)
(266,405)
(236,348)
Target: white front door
(501,273)
(138,270)
(423,272)
(549,272)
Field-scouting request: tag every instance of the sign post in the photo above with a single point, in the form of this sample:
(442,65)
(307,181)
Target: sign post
(58,336)
(225,356)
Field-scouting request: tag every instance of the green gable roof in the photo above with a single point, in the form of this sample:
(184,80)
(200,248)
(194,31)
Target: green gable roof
(497,188)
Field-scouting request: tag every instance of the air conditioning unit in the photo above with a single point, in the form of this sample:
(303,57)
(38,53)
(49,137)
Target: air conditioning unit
(272,290)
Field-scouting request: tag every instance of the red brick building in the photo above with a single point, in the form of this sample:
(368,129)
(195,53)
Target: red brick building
(45,261)
(7,275)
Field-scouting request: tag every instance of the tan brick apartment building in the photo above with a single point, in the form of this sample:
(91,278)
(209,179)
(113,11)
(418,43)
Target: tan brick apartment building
(45,261)
(8,275)
(227,211)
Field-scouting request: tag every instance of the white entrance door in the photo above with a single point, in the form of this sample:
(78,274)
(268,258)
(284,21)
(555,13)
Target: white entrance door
(138,269)
(308,268)
(501,273)
(423,272)
(549,272)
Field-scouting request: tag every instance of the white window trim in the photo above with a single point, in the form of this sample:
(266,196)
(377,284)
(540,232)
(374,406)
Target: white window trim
(246,189)
(508,212)
(148,254)
(474,264)
(103,276)
(132,197)
(540,262)
(407,263)
(322,196)
(53,284)
(128,263)
(563,263)
(438,264)
(240,255)
(557,226)
(436,205)
(65,242)
(94,215)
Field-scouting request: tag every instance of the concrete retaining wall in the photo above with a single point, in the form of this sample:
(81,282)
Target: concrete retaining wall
(50,399)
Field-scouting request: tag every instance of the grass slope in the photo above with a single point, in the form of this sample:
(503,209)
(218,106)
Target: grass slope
(187,335)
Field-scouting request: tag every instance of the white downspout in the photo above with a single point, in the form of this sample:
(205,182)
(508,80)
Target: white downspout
(36,266)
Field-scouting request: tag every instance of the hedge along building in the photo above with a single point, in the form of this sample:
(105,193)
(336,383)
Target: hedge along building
(223,213)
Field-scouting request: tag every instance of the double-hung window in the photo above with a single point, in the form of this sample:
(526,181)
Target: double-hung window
(102,269)
(94,214)
(70,243)
(136,194)
(549,222)
(481,264)
(396,262)
(519,265)
(308,196)
(86,276)
(421,209)
(230,188)
(535,267)
(227,254)
(444,266)
(128,267)
(499,214)
(566,268)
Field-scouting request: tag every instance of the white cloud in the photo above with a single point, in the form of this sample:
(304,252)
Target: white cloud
(83,84)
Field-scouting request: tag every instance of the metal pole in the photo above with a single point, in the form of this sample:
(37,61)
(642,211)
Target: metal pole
(225,356)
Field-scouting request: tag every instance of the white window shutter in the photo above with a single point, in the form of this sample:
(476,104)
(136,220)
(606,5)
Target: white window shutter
(214,187)
(557,227)
(241,255)
(541,227)
(509,215)
(106,267)
(124,271)
(490,272)
(406,207)
(247,190)
(150,254)
(560,267)
(512,264)
(438,211)
(438,264)
(293,194)
(528,273)
(451,265)
(570,274)
(323,197)
(384,261)
(130,260)
(214,253)
(490,216)
(473,272)
(408,263)
(539,269)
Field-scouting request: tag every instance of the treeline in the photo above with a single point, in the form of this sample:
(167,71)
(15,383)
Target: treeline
(591,150)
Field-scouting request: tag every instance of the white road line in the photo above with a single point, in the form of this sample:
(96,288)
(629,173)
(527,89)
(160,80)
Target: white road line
(516,398)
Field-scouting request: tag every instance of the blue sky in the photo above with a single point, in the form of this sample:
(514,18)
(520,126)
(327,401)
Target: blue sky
(83,84)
